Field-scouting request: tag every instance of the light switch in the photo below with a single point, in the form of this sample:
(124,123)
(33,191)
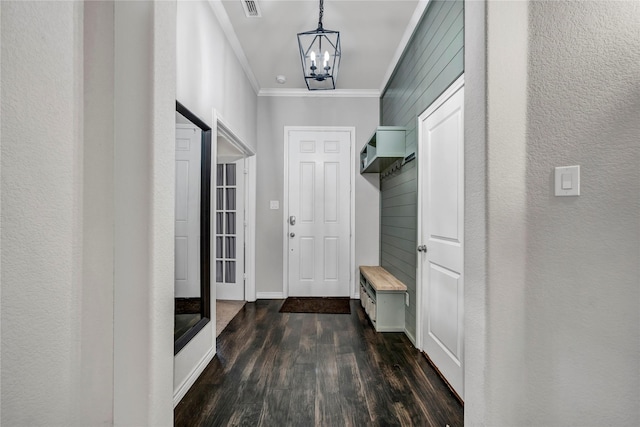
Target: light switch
(274,204)
(567,181)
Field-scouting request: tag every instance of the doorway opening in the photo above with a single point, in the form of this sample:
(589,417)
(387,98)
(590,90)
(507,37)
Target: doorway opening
(233,232)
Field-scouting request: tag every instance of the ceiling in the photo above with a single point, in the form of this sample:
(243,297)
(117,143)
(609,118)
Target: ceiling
(373,34)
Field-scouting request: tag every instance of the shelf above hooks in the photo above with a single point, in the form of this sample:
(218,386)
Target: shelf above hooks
(386,146)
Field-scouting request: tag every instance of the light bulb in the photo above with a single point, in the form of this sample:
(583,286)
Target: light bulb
(326,58)
(313,58)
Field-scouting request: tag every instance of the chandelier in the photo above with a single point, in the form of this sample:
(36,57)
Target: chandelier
(320,55)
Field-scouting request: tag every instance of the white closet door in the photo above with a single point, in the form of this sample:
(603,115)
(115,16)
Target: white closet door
(441,276)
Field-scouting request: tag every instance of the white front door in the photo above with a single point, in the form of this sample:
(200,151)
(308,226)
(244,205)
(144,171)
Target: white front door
(319,215)
(229,230)
(187,226)
(440,234)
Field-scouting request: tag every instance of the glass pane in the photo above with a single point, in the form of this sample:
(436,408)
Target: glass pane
(219,223)
(231,174)
(219,277)
(230,248)
(219,247)
(219,199)
(231,223)
(230,271)
(220,175)
(231,199)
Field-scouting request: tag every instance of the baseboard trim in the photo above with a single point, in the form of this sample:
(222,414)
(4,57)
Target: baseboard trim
(269,295)
(191,379)
(411,338)
(433,365)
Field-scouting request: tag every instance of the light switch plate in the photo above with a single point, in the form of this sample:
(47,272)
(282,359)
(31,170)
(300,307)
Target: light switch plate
(567,181)
(274,204)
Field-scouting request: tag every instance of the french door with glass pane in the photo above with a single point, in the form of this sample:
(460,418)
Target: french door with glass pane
(229,231)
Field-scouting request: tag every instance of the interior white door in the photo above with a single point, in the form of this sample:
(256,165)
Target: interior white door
(187,223)
(441,239)
(318,226)
(229,230)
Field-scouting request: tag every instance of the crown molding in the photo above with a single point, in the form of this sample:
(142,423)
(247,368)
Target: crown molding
(227,28)
(337,93)
(411,28)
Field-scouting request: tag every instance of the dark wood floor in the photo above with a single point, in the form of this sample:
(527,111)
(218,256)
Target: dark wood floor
(289,369)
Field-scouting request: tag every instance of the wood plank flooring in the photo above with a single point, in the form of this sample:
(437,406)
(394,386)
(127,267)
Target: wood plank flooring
(291,369)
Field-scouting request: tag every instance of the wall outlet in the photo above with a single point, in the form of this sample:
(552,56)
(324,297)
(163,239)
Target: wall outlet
(406,299)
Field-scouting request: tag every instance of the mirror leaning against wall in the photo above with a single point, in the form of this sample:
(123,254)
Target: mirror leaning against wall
(192,226)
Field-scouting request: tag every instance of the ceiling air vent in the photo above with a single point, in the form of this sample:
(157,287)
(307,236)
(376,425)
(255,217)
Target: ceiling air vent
(251,9)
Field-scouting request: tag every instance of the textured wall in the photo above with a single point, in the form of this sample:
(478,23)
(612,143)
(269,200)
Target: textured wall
(582,276)
(144,189)
(560,293)
(432,61)
(41,164)
(475,214)
(274,114)
(74,202)
(98,215)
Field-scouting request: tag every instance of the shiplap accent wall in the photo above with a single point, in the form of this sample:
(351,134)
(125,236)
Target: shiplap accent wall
(433,59)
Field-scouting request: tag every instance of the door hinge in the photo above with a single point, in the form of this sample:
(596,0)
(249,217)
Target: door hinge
(246,171)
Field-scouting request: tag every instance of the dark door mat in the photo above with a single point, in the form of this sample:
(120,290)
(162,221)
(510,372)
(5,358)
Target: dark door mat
(329,305)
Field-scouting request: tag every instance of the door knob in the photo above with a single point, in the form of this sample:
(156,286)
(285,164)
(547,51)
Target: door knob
(292,234)
(422,248)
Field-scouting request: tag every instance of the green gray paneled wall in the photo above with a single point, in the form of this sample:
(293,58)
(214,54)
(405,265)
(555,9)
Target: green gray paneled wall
(433,59)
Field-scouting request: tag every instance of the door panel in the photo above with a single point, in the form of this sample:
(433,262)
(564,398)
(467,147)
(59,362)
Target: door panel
(332,192)
(319,199)
(307,258)
(441,230)
(443,307)
(187,211)
(307,190)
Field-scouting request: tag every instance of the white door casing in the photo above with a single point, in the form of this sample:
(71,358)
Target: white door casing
(230,148)
(441,234)
(318,211)
(187,214)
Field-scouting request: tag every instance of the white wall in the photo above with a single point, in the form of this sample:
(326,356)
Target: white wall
(74,199)
(41,213)
(273,114)
(582,317)
(209,76)
(475,215)
(561,286)
(98,215)
(144,188)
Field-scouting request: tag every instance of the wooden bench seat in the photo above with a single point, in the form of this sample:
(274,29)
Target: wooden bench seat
(381,280)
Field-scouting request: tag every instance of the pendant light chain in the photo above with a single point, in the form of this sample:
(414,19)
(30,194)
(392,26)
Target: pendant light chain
(321,13)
